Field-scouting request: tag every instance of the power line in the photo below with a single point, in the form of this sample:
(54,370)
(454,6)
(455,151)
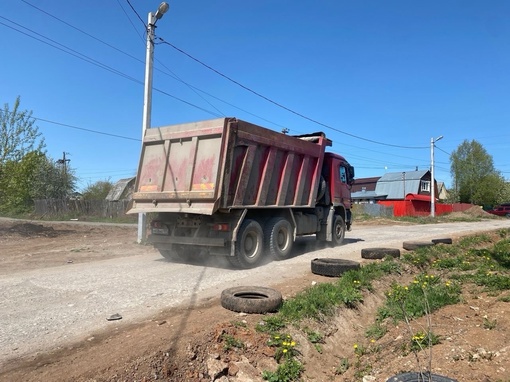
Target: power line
(194,88)
(64,48)
(82,31)
(97,63)
(85,58)
(136,13)
(282,106)
(129,19)
(88,130)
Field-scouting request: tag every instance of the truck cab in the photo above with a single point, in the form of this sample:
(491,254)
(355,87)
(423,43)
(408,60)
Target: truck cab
(339,176)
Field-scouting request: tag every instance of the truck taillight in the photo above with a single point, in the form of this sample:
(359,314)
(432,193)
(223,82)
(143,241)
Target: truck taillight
(221,227)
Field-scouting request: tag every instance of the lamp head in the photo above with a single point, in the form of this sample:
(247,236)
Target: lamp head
(162,9)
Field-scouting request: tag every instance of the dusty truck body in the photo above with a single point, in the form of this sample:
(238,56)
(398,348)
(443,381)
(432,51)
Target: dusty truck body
(228,187)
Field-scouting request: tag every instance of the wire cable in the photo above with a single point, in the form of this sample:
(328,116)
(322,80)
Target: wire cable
(88,130)
(284,107)
(136,13)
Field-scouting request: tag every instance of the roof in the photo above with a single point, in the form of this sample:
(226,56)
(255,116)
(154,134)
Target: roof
(367,183)
(391,184)
(366,195)
(119,188)
(398,176)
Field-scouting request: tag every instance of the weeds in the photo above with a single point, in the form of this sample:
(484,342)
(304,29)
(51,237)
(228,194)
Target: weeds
(230,342)
(288,371)
(442,271)
(343,366)
(489,324)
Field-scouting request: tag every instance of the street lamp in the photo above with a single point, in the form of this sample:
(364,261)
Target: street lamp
(147,93)
(433,183)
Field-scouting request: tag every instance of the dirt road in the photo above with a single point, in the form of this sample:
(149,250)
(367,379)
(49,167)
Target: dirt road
(61,281)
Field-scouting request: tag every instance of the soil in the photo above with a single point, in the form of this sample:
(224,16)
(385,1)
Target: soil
(192,345)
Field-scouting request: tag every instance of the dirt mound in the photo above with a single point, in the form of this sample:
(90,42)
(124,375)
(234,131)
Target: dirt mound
(474,212)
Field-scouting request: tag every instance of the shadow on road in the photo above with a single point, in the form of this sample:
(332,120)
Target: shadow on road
(302,245)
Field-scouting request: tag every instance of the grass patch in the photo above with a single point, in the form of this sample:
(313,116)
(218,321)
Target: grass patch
(440,273)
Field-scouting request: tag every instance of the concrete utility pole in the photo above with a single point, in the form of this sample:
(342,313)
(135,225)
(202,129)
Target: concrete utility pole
(147,95)
(432,180)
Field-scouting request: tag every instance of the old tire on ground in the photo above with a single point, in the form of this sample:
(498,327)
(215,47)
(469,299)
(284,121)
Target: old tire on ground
(338,230)
(333,267)
(379,253)
(279,237)
(251,299)
(419,377)
(412,245)
(443,240)
(249,245)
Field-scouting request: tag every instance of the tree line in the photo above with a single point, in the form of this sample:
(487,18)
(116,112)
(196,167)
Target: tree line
(28,173)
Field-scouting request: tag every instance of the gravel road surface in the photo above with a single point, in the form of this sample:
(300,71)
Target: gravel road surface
(53,307)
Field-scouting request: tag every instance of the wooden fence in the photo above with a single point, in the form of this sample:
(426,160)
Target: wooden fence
(97,208)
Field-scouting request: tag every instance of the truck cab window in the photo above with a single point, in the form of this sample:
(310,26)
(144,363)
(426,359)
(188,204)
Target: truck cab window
(343,174)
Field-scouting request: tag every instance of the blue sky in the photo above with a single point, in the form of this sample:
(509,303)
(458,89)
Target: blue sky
(381,77)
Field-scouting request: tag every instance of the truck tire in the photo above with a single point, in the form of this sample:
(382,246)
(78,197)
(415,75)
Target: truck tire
(379,253)
(412,245)
(169,254)
(249,245)
(279,238)
(321,191)
(251,299)
(178,252)
(419,377)
(338,230)
(333,267)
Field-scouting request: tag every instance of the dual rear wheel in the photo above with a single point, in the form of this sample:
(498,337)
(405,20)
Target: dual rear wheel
(277,238)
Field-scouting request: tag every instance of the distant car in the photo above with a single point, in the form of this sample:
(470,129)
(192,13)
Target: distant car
(501,210)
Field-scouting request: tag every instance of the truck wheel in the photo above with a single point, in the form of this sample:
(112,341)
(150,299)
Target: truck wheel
(249,245)
(251,299)
(177,252)
(278,237)
(338,230)
(168,254)
(333,267)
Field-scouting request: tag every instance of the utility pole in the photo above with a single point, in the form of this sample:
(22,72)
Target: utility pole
(147,95)
(64,162)
(432,180)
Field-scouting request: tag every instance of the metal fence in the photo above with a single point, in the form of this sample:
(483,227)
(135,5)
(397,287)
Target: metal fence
(98,208)
(374,209)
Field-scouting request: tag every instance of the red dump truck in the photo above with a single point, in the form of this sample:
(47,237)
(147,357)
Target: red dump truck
(231,188)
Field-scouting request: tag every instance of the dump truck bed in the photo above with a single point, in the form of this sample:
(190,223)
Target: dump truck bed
(225,164)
